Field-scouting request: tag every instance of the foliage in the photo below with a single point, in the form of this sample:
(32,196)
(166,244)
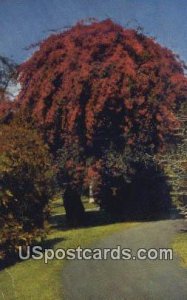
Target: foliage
(26,177)
(101,82)
(144,194)
(175,162)
(97,85)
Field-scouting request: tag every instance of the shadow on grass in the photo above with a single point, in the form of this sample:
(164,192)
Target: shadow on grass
(45,244)
(50,243)
(100,217)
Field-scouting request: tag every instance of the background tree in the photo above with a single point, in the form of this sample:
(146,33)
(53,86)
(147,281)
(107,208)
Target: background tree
(175,164)
(8,83)
(8,75)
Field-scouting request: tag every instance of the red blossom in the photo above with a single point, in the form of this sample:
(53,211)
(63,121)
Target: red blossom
(101,81)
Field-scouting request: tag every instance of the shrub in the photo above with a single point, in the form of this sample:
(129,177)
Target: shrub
(26,180)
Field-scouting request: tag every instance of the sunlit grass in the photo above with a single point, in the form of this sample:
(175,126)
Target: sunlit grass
(58,208)
(180,247)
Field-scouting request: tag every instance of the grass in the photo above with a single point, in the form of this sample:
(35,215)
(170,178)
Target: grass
(58,207)
(32,279)
(179,245)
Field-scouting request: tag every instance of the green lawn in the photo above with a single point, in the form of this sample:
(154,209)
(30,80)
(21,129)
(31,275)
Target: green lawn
(179,245)
(58,207)
(35,280)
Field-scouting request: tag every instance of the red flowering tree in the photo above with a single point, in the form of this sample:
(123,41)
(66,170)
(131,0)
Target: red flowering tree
(101,86)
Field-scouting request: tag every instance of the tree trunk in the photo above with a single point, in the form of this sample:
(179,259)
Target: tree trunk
(74,208)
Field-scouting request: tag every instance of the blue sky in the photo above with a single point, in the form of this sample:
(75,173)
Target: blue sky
(23,22)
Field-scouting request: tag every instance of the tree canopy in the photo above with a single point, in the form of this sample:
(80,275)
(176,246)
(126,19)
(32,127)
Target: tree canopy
(100,86)
(95,83)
